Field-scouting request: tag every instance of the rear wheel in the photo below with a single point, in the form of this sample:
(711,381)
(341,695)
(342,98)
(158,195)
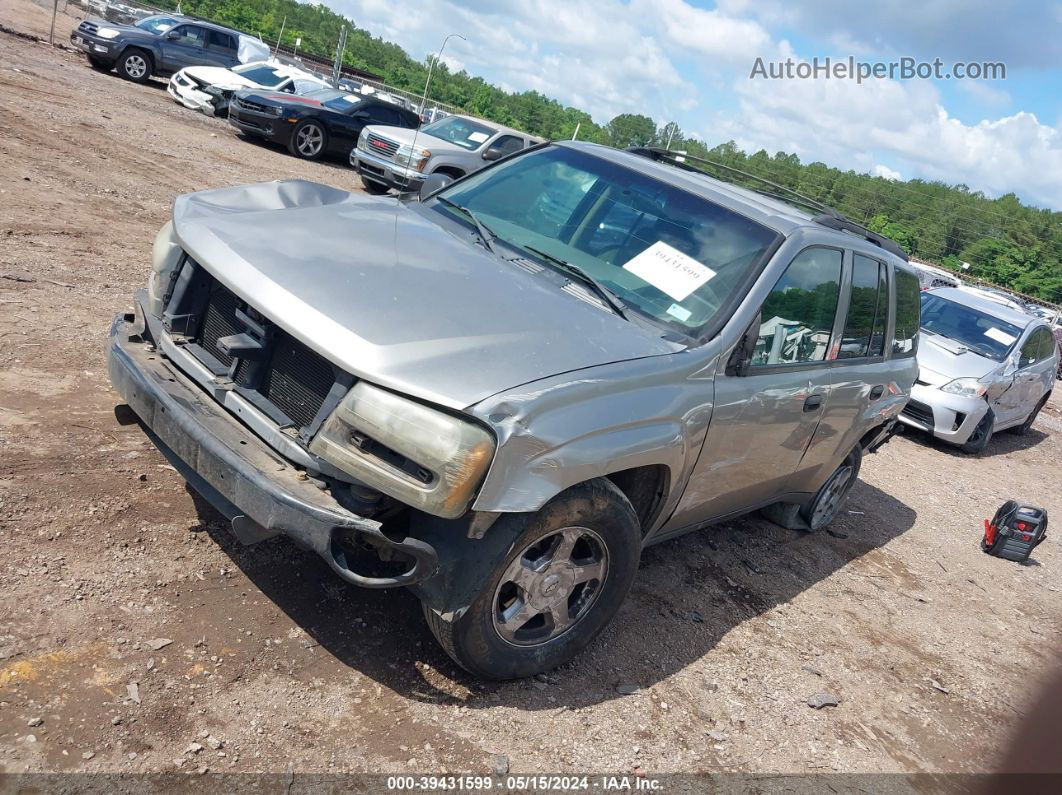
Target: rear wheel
(308,140)
(135,65)
(1026,426)
(375,188)
(564,579)
(823,509)
(981,435)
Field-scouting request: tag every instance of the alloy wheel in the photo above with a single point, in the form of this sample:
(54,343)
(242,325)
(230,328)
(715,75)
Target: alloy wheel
(309,140)
(135,66)
(550,586)
(832,495)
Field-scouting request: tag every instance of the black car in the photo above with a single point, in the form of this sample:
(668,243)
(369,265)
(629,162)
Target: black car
(319,123)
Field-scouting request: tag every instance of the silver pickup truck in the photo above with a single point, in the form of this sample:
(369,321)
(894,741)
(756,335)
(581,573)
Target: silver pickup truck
(395,157)
(497,393)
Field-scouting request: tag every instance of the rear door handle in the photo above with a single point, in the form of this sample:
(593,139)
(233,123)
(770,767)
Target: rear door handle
(813,402)
(877,392)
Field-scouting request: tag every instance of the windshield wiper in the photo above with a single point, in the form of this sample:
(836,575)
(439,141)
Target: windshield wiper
(486,234)
(614,302)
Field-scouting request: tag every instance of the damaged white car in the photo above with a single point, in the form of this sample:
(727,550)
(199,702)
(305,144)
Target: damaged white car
(210,88)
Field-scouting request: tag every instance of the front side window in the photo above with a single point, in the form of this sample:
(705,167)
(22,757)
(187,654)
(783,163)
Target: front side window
(796,319)
(864,329)
(908,294)
(1030,351)
(507,144)
(671,256)
(191,35)
(979,332)
(465,133)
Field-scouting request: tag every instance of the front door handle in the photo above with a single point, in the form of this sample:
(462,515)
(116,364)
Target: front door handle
(813,402)
(877,392)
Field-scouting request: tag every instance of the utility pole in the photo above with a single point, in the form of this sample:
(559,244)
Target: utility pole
(281,36)
(51,30)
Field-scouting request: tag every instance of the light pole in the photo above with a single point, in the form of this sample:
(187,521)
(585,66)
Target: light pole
(431,65)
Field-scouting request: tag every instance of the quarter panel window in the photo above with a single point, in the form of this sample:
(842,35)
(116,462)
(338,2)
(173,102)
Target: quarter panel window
(908,308)
(797,317)
(1047,344)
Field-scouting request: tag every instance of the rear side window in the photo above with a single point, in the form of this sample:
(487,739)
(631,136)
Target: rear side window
(864,329)
(216,40)
(907,314)
(797,317)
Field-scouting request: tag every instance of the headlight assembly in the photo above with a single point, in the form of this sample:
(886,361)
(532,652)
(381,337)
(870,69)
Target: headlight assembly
(424,457)
(414,157)
(965,387)
(165,256)
(108,33)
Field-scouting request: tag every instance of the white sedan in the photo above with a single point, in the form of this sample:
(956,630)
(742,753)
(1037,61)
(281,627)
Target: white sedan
(209,88)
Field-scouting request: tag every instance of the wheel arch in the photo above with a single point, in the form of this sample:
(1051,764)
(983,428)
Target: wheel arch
(450,171)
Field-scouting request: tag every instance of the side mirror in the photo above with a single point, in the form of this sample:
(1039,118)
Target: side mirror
(493,153)
(172,35)
(433,184)
(741,359)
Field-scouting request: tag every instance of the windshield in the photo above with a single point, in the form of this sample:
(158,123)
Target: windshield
(989,336)
(262,74)
(465,133)
(339,101)
(156,25)
(668,254)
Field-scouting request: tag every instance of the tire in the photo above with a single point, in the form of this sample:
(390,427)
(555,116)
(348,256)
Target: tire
(308,140)
(373,187)
(135,65)
(1025,427)
(981,435)
(98,65)
(592,523)
(828,501)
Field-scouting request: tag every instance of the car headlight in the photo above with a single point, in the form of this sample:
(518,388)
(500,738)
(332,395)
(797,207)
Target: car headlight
(416,157)
(424,457)
(108,33)
(965,387)
(165,256)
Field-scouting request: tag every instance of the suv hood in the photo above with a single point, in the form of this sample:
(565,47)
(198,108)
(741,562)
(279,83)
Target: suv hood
(403,135)
(941,360)
(394,298)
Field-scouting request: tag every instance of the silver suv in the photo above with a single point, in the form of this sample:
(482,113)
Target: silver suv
(395,157)
(499,392)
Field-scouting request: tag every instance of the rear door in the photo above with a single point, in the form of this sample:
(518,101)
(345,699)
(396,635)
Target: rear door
(1035,371)
(763,421)
(220,48)
(183,46)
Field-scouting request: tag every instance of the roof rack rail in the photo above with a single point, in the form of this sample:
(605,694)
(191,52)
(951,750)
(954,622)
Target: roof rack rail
(829,217)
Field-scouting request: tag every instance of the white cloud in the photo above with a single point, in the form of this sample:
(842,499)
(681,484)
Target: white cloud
(885,172)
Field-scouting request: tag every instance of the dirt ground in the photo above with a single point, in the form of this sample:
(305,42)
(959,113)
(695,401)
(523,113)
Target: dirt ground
(136,634)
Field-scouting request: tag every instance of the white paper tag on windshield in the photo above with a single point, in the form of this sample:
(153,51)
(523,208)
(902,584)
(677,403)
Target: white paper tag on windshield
(669,270)
(1000,336)
(350,98)
(478,137)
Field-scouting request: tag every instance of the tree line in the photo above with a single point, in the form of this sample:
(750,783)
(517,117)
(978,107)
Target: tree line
(1003,240)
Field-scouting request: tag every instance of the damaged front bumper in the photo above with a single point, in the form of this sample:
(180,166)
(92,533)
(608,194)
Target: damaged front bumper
(262,493)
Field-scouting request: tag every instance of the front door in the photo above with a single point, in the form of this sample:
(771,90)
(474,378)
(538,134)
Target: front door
(183,46)
(763,421)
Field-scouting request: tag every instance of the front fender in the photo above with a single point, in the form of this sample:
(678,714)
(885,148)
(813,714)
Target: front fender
(570,429)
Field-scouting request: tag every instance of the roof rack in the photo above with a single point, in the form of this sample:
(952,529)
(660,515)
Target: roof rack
(829,217)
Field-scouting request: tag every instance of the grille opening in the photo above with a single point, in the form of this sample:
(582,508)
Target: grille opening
(919,412)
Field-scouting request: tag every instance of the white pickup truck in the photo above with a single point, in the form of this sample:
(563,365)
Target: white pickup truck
(400,158)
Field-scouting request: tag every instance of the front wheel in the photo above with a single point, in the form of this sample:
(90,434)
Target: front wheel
(982,434)
(308,140)
(135,65)
(565,577)
(823,509)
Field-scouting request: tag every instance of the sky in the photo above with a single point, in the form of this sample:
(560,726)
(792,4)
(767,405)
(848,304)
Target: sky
(689,61)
